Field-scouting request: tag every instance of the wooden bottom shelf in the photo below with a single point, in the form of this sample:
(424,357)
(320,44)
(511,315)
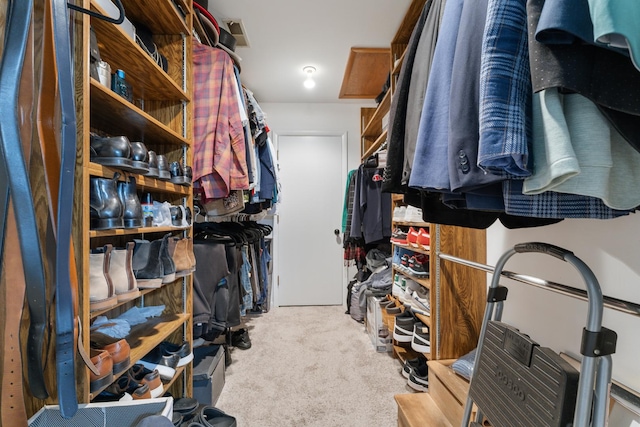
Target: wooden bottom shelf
(419,410)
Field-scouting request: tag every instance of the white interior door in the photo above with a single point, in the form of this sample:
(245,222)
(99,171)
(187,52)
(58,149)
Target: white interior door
(313,173)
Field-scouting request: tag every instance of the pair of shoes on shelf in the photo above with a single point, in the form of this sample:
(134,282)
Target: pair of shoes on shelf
(114,204)
(399,237)
(416,371)
(158,166)
(168,215)
(416,265)
(181,175)
(111,276)
(108,356)
(119,152)
(181,252)
(419,238)
(407,329)
(152,263)
(167,357)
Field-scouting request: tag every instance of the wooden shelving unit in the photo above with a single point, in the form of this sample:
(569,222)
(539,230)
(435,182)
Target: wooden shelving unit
(160,115)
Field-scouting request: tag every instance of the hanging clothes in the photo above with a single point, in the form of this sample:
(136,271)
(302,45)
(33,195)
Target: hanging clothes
(371,219)
(219,156)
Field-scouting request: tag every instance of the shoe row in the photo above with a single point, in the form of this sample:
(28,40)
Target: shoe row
(411,292)
(141,381)
(417,238)
(118,152)
(407,214)
(115,204)
(117,274)
(416,265)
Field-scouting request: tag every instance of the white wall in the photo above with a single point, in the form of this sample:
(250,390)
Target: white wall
(283,118)
(611,248)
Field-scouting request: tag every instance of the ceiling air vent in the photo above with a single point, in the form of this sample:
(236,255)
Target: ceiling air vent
(237,30)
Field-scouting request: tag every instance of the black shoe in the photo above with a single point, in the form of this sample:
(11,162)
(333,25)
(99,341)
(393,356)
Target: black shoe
(105,206)
(240,339)
(132,214)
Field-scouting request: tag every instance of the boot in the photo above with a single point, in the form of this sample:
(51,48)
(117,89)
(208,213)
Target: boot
(132,208)
(178,250)
(190,254)
(140,157)
(168,267)
(146,264)
(101,292)
(124,282)
(112,151)
(153,164)
(104,203)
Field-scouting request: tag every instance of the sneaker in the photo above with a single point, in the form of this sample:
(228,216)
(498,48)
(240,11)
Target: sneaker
(404,262)
(422,303)
(416,265)
(411,364)
(399,213)
(398,288)
(403,327)
(412,237)
(421,340)
(399,237)
(413,214)
(424,239)
(419,378)
(240,339)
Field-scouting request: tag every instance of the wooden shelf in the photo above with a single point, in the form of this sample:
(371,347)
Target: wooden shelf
(144,183)
(424,319)
(420,250)
(148,80)
(403,34)
(113,114)
(165,18)
(419,410)
(97,313)
(145,337)
(373,129)
(412,224)
(376,145)
(424,281)
(128,231)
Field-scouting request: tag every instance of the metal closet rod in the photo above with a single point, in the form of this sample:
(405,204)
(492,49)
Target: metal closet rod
(609,302)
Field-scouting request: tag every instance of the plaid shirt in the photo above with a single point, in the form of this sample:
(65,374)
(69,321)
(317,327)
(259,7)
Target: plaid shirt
(219,158)
(505,90)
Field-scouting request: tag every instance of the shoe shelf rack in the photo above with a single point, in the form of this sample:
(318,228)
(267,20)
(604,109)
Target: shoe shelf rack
(160,115)
(147,337)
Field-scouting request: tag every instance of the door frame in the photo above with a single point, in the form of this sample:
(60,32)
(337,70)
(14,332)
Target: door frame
(275,295)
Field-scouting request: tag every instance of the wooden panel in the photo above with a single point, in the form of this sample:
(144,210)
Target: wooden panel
(462,291)
(419,410)
(366,72)
(375,145)
(110,112)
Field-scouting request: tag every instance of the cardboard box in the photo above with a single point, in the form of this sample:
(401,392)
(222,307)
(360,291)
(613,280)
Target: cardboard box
(208,373)
(110,9)
(378,332)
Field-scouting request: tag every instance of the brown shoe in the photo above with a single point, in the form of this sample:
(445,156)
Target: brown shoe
(103,361)
(118,349)
(178,250)
(152,379)
(142,392)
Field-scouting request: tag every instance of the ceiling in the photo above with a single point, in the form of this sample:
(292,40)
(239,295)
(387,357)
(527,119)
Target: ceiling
(286,35)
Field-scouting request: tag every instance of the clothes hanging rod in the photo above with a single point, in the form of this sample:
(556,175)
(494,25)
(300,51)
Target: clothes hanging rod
(609,302)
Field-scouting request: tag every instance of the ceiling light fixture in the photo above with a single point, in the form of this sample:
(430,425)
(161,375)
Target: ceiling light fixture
(309,83)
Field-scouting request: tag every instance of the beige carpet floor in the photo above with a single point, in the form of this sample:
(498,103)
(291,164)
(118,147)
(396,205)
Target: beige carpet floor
(311,366)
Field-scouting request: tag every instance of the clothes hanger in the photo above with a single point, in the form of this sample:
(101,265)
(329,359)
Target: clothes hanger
(116,21)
